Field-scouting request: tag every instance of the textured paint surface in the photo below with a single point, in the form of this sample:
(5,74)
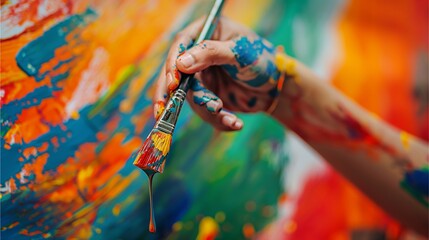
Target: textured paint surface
(76,93)
(247,54)
(203,96)
(152,155)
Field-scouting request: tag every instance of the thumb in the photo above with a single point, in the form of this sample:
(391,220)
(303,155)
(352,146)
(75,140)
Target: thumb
(205,54)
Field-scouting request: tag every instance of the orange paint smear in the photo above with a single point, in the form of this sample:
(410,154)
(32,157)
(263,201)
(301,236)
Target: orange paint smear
(381,42)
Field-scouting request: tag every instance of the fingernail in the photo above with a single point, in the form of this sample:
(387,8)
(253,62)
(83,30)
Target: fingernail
(229,120)
(171,82)
(169,79)
(187,60)
(238,124)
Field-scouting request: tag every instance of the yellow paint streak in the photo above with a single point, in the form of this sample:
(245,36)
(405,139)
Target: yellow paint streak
(47,235)
(285,63)
(116,210)
(162,142)
(405,140)
(84,175)
(208,229)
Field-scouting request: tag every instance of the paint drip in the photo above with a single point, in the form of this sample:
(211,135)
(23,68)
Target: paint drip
(151,159)
(152,223)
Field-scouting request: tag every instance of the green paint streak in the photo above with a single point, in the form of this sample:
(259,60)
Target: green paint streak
(124,76)
(292,22)
(229,171)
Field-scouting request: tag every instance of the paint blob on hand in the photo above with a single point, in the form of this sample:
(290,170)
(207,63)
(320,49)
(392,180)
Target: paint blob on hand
(236,71)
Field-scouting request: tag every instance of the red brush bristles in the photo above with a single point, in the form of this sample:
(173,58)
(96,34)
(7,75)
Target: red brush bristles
(151,156)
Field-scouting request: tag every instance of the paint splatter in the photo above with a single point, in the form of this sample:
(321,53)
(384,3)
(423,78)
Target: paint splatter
(203,97)
(419,180)
(252,102)
(208,229)
(247,52)
(232,98)
(405,140)
(159,108)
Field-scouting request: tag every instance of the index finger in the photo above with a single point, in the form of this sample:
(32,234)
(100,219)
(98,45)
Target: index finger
(183,40)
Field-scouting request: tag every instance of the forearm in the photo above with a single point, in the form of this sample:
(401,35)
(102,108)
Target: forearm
(379,159)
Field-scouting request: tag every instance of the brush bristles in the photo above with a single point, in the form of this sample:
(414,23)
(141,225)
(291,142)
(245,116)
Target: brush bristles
(152,154)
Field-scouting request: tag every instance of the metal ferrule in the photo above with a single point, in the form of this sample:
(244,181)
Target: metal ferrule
(168,119)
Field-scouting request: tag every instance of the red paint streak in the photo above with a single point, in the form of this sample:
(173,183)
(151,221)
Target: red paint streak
(359,132)
(145,155)
(149,155)
(354,128)
(176,80)
(335,222)
(30,234)
(152,227)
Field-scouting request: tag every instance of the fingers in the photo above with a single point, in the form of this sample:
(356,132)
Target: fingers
(169,77)
(209,107)
(230,121)
(204,98)
(223,120)
(160,95)
(207,53)
(182,41)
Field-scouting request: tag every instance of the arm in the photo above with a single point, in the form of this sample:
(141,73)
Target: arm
(388,165)
(242,72)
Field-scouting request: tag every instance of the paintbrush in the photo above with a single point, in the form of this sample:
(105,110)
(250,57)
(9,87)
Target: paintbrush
(152,155)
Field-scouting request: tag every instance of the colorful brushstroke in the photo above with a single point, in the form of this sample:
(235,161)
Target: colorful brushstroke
(76,91)
(152,155)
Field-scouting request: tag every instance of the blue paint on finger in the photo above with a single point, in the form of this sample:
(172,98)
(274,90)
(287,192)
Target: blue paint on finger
(207,96)
(252,102)
(232,99)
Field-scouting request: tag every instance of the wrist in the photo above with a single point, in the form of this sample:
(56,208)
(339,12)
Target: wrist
(287,66)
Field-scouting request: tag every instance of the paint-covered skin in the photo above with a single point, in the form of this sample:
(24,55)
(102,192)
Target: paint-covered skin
(416,182)
(389,165)
(203,97)
(242,69)
(243,78)
(254,62)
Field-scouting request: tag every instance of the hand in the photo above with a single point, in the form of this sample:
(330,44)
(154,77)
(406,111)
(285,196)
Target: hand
(234,71)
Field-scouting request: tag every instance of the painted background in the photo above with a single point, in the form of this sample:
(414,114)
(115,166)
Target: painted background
(76,87)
